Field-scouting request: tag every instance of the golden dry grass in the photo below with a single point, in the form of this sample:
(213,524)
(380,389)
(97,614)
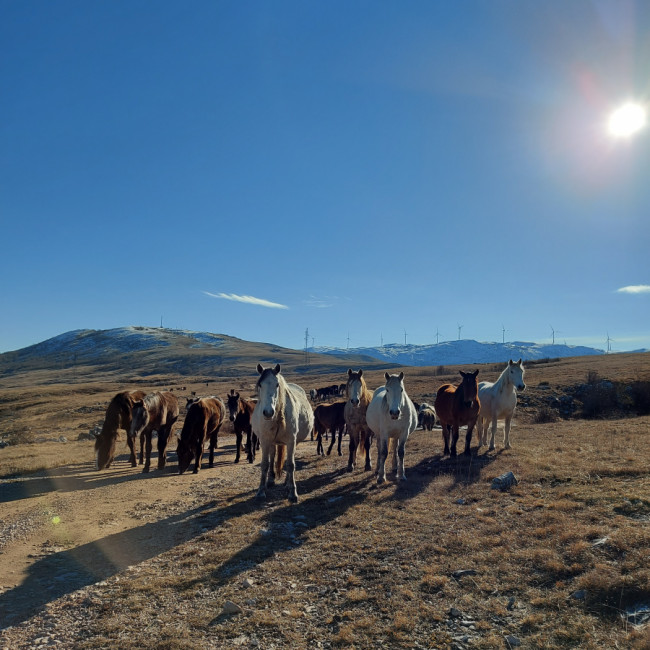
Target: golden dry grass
(554,561)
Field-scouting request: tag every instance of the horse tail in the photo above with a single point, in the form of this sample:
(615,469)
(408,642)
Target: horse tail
(280,457)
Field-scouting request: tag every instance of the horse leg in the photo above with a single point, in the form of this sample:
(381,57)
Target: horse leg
(329,449)
(266,461)
(239,439)
(454,439)
(506,433)
(382,454)
(401,474)
(494,431)
(366,445)
(291,468)
(198,454)
(446,428)
(163,434)
(353,450)
(211,447)
(340,440)
(147,462)
(142,439)
(468,438)
(272,452)
(479,429)
(131,442)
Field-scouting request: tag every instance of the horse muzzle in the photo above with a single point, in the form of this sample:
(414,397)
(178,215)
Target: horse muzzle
(268,413)
(394,415)
(232,418)
(522,387)
(354,402)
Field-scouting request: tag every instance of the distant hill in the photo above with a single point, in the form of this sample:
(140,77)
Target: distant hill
(130,352)
(462,352)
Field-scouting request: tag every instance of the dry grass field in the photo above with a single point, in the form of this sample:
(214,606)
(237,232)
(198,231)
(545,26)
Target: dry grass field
(121,559)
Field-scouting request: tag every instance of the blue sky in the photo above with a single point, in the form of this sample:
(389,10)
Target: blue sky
(359,168)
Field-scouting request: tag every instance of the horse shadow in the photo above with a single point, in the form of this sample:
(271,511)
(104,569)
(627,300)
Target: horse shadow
(66,571)
(286,525)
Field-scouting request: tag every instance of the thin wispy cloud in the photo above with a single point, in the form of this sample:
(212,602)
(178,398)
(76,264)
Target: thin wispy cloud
(320,303)
(635,288)
(249,300)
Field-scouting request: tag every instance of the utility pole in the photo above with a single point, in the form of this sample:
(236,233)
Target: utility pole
(503,333)
(307,360)
(404,337)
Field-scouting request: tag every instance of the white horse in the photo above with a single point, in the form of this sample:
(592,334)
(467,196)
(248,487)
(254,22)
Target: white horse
(498,401)
(282,418)
(391,416)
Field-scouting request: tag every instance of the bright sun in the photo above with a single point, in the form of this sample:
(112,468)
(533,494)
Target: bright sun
(627,120)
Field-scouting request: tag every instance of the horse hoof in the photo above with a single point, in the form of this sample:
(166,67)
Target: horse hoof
(236,460)
(329,451)
(381,479)
(261,496)
(350,468)
(145,470)
(492,448)
(293,498)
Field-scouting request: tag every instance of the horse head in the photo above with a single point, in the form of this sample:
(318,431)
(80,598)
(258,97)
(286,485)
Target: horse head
(354,387)
(268,389)
(139,418)
(232,404)
(394,394)
(469,386)
(184,453)
(516,374)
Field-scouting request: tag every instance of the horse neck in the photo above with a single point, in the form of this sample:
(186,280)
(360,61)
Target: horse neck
(503,382)
(113,419)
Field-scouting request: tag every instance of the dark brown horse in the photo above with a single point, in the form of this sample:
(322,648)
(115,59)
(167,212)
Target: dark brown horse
(203,420)
(457,406)
(118,416)
(156,412)
(329,417)
(355,417)
(240,411)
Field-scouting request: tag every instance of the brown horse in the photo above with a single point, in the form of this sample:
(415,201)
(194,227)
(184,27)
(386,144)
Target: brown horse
(329,417)
(118,416)
(156,412)
(204,419)
(457,406)
(355,417)
(240,411)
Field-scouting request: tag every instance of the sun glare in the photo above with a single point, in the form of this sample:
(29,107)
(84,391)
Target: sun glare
(627,120)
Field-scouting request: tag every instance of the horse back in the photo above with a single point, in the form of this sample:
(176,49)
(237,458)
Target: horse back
(119,410)
(444,402)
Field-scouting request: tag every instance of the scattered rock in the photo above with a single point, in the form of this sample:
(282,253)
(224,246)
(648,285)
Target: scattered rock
(579,595)
(231,608)
(248,583)
(513,641)
(463,572)
(504,481)
(455,613)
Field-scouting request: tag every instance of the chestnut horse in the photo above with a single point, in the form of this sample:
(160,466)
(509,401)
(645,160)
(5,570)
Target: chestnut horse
(240,412)
(203,420)
(329,417)
(457,406)
(282,418)
(156,412)
(118,416)
(359,398)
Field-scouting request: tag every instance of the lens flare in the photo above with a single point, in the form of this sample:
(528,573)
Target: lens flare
(627,120)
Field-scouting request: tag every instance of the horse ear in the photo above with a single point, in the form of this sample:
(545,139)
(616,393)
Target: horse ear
(386,376)
(475,373)
(510,363)
(260,369)
(519,363)
(462,374)
(360,372)
(401,376)
(276,370)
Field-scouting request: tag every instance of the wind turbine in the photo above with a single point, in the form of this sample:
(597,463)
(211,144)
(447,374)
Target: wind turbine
(503,333)
(437,336)
(552,333)
(404,337)
(460,327)
(609,343)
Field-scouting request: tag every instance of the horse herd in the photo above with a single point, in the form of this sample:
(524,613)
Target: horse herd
(282,416)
